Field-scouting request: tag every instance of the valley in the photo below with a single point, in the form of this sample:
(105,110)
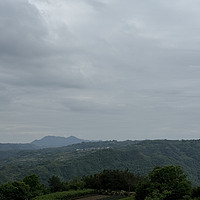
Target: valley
(85,158)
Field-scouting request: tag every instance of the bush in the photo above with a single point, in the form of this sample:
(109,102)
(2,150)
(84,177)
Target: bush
(65,195)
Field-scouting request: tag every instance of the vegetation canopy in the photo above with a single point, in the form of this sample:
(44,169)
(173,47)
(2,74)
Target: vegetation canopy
(162,183)
(167,183)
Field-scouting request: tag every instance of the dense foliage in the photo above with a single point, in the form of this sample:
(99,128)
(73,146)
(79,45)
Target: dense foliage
(166,183)
(162,183)
(113,180)
(65,195)
(93,157)
(28,188)
(31,187)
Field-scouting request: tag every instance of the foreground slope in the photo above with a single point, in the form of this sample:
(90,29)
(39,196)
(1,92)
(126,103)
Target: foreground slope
(91,157)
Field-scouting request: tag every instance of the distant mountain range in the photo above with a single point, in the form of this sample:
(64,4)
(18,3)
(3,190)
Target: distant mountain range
(87,158)
(45,142)
(56,141)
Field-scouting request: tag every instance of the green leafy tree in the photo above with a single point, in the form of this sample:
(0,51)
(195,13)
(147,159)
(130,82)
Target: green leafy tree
(76,184)
(17,190)
(36,188)
(195,192)
(165,183)
(55,184)
(113,180)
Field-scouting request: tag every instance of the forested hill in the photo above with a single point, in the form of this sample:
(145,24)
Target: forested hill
(10,146)
(90,157)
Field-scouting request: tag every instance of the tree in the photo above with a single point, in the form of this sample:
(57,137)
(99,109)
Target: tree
(55,184)
(36,188)
(113,180)
(76,184)
(167,183)
(17,190)
(196,192)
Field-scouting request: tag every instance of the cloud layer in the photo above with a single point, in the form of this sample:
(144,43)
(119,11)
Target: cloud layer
(106,69)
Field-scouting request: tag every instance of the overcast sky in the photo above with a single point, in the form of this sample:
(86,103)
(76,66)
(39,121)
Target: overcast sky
(99,69)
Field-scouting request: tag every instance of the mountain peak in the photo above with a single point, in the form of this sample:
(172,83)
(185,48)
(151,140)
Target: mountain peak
(56,141)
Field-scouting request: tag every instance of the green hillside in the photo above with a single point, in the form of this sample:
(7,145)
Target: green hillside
(92,157)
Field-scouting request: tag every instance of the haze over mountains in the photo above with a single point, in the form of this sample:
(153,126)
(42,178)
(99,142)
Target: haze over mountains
(45,142)
(56,141)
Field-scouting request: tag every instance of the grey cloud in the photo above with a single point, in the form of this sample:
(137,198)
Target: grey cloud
(98,5)
(88,105)
(22,29)
(100,66)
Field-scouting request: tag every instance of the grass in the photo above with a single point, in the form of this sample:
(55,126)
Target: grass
(128,198)
(65,195)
